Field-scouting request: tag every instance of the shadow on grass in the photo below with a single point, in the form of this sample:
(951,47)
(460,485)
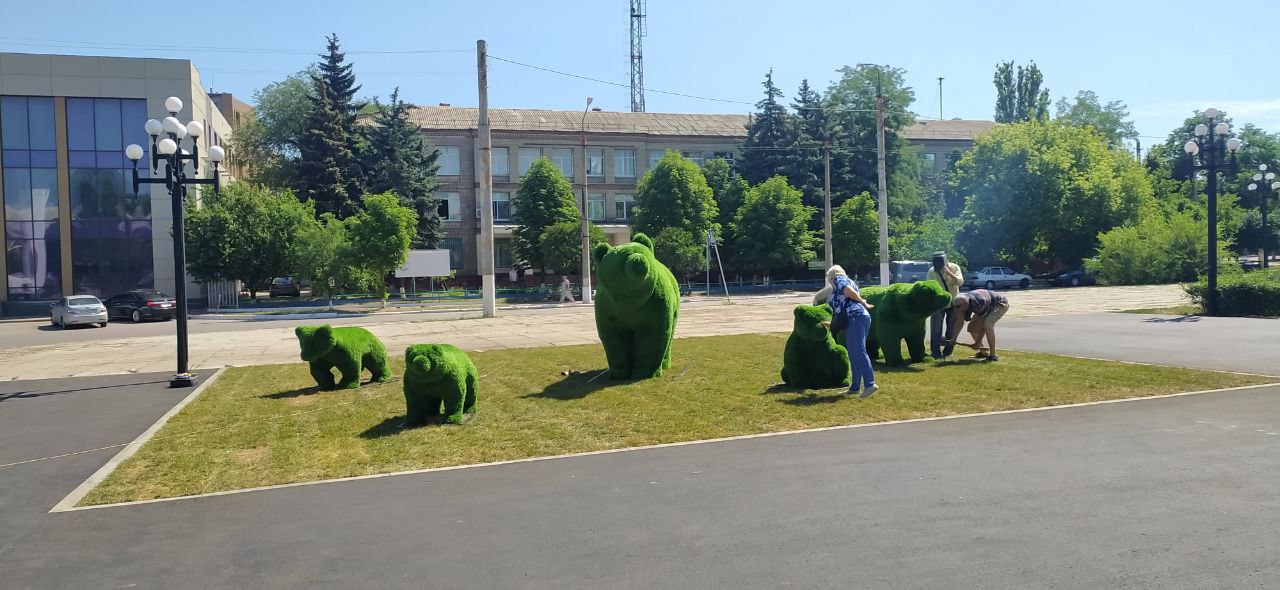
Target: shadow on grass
(580,385)
(814,397)
(395,425)
(314,389)
(1182,319)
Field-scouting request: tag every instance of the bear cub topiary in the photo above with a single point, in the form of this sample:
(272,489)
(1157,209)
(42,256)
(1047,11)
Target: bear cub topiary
(812,359)
(436,374)
(348,349)
(899,314)
(637,302)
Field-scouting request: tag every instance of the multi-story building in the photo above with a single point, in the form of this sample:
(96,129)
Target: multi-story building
(621,147)
(72,223)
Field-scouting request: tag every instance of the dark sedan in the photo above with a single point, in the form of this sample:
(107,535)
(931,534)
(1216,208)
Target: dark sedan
(141,305)
(1076,278)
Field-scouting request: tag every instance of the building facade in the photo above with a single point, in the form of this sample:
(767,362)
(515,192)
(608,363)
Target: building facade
(72,224)
(940,140)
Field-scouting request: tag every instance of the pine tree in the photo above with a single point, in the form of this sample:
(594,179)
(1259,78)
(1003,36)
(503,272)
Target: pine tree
(329,170)
(806,170)
(769,133)
(340,80)
(399,160)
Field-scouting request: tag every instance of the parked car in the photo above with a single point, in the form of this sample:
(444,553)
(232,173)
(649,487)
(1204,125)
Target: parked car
(285,286)
(141,304)
(908,271)
(1076,277)
(991,277)
(78,310)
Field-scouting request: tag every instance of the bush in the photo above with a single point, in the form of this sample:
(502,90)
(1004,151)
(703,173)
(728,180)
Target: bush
(1243,294)
(1158,249)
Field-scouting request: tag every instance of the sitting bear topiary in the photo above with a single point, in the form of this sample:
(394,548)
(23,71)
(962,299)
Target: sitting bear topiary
(436,374)
(636,305)
(348,349)
(812,359)
(899,314)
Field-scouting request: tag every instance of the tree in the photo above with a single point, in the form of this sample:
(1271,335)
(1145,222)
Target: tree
(1110,120)
(773,227)
(329,170)
(267,146)
(935,234)
(1160,248)
(855,228)
(684,255)
(1020,99)
(769,133)
(246,234)
(544,199)
(562,246)
(675,194)
(1045,190)
(324,248)
(380,237)
(399,159)
(805,171)
(728,189)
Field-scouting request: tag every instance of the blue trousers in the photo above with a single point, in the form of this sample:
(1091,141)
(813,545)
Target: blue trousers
(855,340)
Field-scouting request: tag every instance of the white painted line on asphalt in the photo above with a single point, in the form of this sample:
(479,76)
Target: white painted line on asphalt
(81,490)
(73,508)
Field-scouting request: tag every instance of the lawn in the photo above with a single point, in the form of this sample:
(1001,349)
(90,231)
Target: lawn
(264,425)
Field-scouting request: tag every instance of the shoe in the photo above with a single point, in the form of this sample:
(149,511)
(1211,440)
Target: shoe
(993,358)
(870,389)
(852,391)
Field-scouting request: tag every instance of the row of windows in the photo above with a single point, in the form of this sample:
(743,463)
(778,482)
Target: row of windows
(624,160)
(504,211)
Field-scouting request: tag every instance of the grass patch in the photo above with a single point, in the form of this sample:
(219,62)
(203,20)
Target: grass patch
(1172,310)
(264,425)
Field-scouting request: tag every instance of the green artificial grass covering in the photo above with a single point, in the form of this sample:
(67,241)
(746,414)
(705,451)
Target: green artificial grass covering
(435,375)
(898,315)
(812,359)
(636,305)
(349,350)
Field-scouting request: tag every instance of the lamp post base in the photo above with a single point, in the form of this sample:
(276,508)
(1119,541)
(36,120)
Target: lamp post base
(182,380)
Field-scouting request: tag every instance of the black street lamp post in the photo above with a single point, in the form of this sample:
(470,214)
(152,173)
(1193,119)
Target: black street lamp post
(1210,143)
(168,150)
(1260,182)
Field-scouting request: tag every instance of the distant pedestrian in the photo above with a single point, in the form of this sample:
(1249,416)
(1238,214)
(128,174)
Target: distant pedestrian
(950,276)
(982,309)
(512,276)
(566,290)
(850,312)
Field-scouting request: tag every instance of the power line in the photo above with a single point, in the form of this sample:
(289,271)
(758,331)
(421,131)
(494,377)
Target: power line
(618,84)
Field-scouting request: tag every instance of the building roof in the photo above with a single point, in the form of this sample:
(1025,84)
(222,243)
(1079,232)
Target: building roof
(449,118)
(946,129)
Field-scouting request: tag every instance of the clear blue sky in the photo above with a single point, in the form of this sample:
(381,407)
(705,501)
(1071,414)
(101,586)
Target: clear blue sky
(1144,53)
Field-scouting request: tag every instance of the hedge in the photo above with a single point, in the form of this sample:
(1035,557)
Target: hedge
(1248,294)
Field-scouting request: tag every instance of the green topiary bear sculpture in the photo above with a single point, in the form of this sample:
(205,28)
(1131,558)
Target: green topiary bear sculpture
(812,359)
(436,374)
(348,349)
(899,314)
(637,302)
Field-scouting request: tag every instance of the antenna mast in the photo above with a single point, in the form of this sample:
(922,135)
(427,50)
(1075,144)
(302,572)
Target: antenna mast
(637,55)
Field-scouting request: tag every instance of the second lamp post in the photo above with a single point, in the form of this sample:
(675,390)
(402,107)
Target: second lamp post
(1260,181)
(1213,147)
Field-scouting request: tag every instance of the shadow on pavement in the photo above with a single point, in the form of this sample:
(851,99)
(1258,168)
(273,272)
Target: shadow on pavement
(37,393)
(1175,320)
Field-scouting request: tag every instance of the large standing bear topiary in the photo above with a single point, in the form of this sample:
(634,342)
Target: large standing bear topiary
(637,302)
(812,359)
(436,374)
(348,349)
(899,314)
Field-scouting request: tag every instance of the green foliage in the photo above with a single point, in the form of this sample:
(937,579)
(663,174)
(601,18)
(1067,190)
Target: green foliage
(773,227)
(348,349)
(324,252)
(562,246)
(636,305)
(769,129)
(399,160)
(545,198)
(729,189)
(1252,236)
(247,233)
(436,375)
(681,253)
(329,171)
(1110,121)
(898,314)
(1044,190)
(1247,294)
(1020,99)
(812,359)
(267,146)
(935,234)
(380,236)
(675,195)
(1158,249)
(855,228)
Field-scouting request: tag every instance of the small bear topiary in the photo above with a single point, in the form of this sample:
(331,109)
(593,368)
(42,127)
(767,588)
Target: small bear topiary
(812,359)
(436,374)
(899,314)
(636,305)
(348,349)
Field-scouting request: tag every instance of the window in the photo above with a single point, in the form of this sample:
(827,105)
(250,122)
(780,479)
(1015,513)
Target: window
(502,252)
(501,206)
(623,203)
(595,206)
(929,161)
(654,157)
(450,165)
(527,157)
(451,206)
(502,162)
(696,157)
(595,161)
(624,163)
(726,156)
(454,246)
(32,238)
(563,159)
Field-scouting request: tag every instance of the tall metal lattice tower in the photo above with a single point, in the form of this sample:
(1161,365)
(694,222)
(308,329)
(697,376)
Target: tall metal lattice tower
(637,55)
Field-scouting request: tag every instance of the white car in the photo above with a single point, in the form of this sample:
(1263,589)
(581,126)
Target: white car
(991,277)
(78,309)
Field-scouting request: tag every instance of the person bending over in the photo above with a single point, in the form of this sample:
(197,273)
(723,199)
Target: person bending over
(850,312)
(981,309)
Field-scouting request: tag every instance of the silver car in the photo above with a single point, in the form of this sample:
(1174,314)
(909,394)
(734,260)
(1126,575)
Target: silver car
(78,309)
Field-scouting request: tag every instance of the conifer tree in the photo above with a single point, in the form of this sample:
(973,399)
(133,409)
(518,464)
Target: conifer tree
(806,170)
(769,133)
(329,170)
(400,160)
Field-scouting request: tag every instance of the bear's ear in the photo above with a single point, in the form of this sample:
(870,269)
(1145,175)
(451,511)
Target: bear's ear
(324,333)
(302,332)
(644,240)
(799,311)
(600,251)
(423,363)
(408,354)
(637,266)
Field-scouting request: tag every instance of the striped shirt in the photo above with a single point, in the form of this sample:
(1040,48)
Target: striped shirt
(982,301)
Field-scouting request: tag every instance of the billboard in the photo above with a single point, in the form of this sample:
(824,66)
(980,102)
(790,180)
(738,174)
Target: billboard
(425,263)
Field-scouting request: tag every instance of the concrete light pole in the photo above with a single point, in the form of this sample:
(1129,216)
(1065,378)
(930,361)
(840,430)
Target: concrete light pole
(484,196)
(586,224)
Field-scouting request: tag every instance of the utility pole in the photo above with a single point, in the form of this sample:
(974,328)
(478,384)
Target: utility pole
(940,79)
(586,224)
(1137,148)
(484,193)
(826,187)
(882,191)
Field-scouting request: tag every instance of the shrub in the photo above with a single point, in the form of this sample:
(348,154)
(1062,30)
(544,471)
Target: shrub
(1243,293)
(1158,249)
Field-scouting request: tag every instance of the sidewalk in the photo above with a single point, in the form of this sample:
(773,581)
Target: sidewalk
(512,329)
